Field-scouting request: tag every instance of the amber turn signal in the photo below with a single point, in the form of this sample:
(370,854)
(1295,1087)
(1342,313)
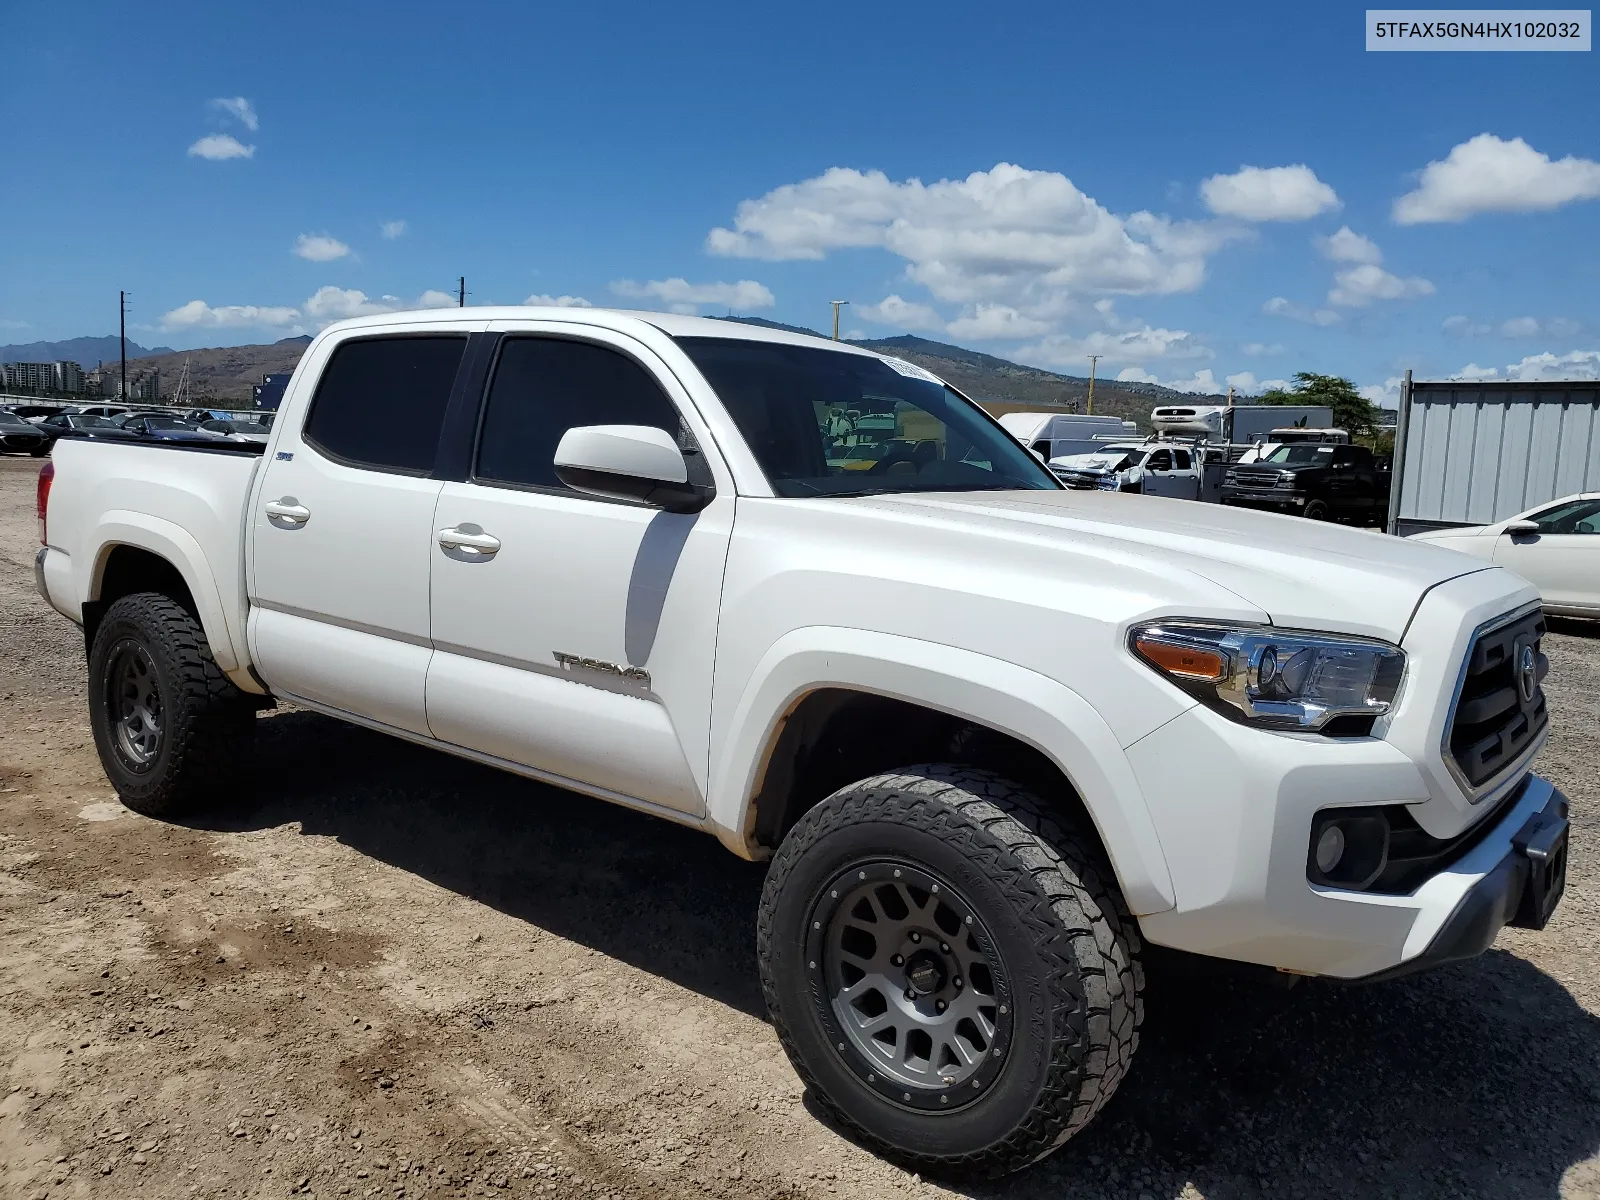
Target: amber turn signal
(1185,662)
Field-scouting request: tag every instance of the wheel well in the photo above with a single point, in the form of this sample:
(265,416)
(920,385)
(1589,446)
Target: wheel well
(835,736)
(130,569)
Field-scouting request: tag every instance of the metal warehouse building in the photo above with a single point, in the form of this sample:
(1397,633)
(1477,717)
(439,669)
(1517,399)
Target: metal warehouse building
(1474,453)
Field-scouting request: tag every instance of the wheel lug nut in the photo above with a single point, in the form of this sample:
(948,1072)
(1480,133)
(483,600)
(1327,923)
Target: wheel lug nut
(940,1006)
(911,995)
(956,981)
(945,947)
(897,960)
(916,937)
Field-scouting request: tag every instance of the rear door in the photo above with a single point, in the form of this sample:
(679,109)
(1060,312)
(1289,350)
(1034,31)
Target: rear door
(575,637)
(1163,476)
(341,532)
(1562,559)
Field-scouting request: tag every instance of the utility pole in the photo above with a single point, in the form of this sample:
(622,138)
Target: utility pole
(837,305)
(462,298)
(122,333)
(1093,359)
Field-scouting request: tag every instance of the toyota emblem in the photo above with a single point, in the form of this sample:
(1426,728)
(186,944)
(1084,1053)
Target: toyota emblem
(1527,672)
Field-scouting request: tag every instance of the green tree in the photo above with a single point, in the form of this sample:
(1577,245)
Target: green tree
(1351,410)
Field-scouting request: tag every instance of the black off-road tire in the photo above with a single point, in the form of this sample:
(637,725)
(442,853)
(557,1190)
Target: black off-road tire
(1317,510)
(1064,938)
(204,753)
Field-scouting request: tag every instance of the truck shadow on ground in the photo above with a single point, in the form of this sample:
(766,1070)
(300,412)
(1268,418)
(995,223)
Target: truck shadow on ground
(1480,1080)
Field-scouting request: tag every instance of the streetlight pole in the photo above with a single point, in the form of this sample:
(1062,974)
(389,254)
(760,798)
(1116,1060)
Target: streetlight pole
(122,334)
(1093,359)
(837,305)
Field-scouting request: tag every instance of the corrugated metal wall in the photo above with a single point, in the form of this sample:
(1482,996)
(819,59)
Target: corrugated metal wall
(1481,452)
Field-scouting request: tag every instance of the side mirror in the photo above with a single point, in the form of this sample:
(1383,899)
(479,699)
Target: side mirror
(1522,528)
(630,462)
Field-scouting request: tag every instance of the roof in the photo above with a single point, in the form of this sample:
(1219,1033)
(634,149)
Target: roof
(672,324)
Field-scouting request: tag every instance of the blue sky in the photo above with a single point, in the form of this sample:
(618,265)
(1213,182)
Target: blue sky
(1194,192)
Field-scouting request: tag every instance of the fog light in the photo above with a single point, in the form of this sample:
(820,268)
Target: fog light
(1349,848)
(1330,848)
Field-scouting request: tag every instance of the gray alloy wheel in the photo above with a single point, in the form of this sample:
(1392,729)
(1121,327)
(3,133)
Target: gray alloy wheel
(133,698)
(911,984)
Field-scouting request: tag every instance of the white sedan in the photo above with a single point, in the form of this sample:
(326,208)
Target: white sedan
(1555,547)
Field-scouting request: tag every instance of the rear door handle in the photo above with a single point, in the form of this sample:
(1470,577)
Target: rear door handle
(469,539)
(288,510)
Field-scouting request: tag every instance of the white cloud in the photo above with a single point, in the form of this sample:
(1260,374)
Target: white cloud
(901,313)
(1385,394)
(240,109)
(392,229)
(1512,327)
(434,298)
(1349,246)
(1577,364)
(1246,382)
(1281,306)
(1262,349)
(1025,239)
(220,146)
(1269,194)
(328,304)
(1488,174)
(197,314)
(995,321)
(684,297)
(1355,287)
(543,300)
(1115,346)
(1201,383)
(319,247)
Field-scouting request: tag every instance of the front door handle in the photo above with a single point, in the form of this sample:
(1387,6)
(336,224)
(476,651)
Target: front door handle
(470,541)
(288,510)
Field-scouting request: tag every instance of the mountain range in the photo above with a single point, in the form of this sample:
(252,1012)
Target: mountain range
(225,373)
(85,351)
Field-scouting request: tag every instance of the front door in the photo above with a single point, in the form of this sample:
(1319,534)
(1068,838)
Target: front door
(575,636)
(1562,559)
(341,534)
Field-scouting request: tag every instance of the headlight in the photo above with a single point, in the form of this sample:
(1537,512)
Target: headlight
(1274,678)
(1286,479)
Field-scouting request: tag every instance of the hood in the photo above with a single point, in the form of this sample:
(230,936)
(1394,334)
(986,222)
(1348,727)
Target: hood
(1444,535)
(1088,462)
(1303,574)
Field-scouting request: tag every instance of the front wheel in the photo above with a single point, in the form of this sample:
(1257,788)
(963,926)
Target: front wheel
(952,973)
(173,733)
(1317,510)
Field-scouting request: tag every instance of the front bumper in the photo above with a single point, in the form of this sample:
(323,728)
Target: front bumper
(1522,890)
(1268,498)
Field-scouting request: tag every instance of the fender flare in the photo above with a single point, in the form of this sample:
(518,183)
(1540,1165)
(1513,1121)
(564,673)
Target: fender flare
(176,545)
(1001,695)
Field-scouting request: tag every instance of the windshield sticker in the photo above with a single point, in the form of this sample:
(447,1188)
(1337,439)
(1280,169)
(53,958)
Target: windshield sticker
(911,370)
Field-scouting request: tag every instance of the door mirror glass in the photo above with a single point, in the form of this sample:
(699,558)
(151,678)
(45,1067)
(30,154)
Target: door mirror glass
(629,462)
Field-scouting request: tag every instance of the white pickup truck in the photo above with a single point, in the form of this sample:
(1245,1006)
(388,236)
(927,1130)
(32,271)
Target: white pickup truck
(994,735)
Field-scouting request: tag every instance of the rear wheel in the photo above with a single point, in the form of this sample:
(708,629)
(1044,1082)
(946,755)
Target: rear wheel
(173,733)
(951,971)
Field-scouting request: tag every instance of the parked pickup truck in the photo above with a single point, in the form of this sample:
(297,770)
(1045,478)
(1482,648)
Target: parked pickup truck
(994,736)
(1322,482)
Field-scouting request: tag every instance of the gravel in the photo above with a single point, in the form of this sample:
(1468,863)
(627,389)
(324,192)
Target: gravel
(392,973)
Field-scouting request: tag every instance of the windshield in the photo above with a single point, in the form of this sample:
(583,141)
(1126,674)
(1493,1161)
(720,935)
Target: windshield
(1301,454)
(92,423)
(163,423)
(829,423)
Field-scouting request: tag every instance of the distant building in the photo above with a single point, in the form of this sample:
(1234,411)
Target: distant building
(268,394)
(68,377)
(143,386)
(34,377)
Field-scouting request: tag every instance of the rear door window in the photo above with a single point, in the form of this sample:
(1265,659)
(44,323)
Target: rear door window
(381,402)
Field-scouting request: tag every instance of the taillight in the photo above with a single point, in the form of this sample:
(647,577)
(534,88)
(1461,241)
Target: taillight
(47,475)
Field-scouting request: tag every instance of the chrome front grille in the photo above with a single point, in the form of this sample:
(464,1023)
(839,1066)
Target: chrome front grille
(1254,480)
(1500,707)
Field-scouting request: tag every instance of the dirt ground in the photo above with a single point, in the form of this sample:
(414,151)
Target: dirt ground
(389,973)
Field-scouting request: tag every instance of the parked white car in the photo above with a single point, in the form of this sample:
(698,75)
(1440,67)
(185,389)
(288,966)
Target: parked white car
(993,735)
(1555,547)
(1147,468)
